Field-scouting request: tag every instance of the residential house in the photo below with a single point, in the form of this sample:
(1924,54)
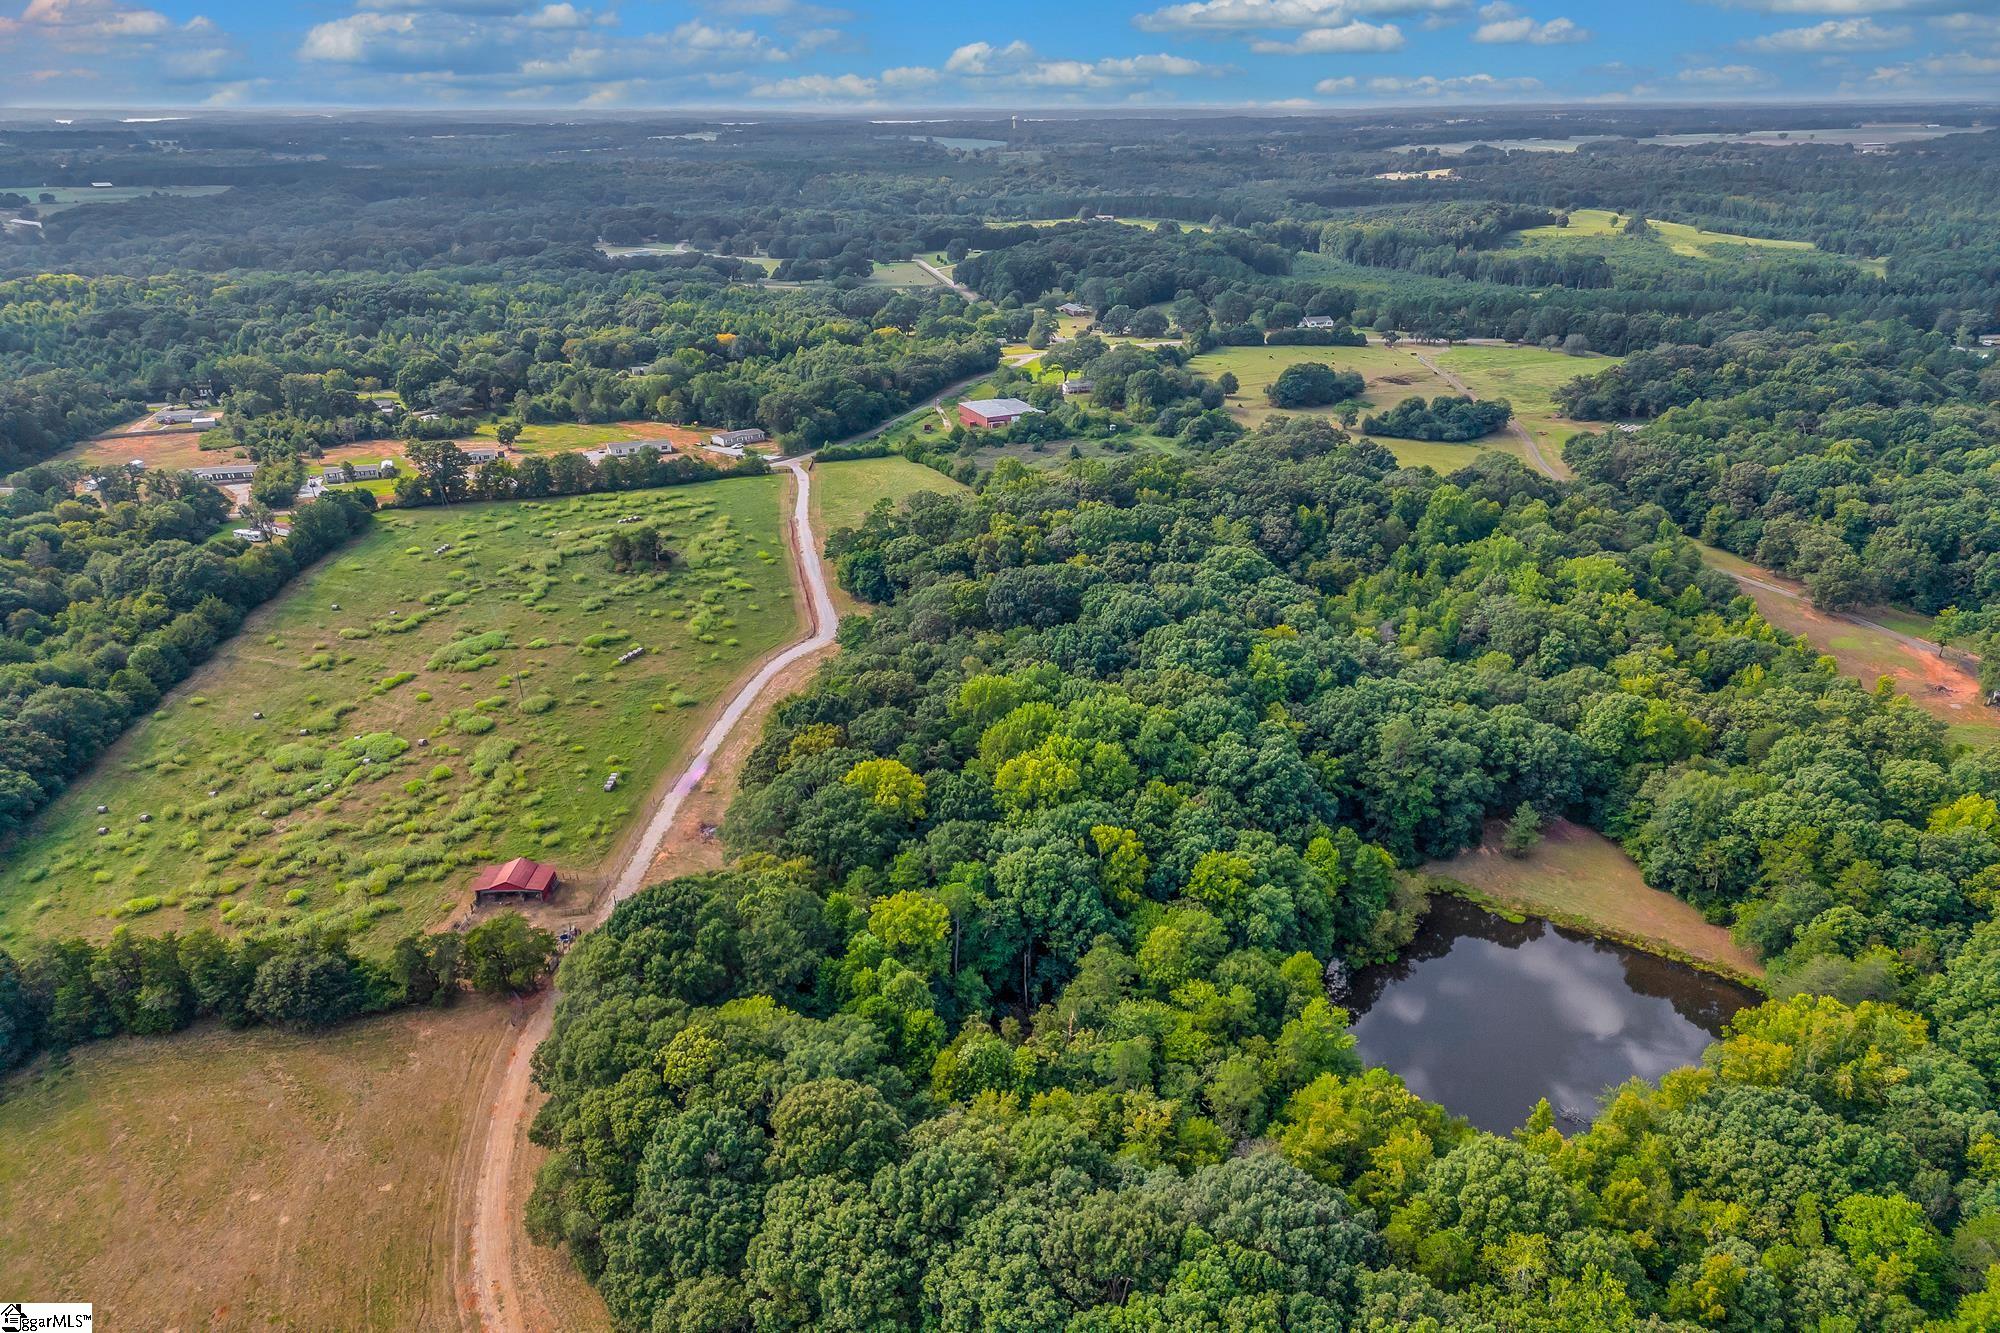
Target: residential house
(519,878)
(1319,322)
(628,449)
(1071,388)
(737,439)
(1072,308)
(480,453)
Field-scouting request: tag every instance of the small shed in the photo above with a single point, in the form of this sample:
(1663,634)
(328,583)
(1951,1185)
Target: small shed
(519,878)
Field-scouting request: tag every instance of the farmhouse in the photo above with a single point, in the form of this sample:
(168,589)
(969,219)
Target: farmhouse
(225,473)
(983,412)
(519,878)
(1989,340)
(737,439)
(1072,308)
(480,453)
(1071,388)
(178,416)
(1318,322)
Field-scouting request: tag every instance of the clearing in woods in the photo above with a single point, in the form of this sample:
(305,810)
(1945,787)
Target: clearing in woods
(844,492)
(1579,877)
(1594,227)
(223,1179)
(1526,377)
(445,692)
(555,437)
(1871,644)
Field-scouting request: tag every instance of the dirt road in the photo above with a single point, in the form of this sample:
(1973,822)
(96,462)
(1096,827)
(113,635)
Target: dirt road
(495,1228)
(947,279)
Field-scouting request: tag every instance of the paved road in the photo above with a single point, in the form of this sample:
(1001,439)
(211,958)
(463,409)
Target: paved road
(1536,459)
(495,1228)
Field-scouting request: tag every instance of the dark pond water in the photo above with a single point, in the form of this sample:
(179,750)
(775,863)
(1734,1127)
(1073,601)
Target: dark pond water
(1484,1016)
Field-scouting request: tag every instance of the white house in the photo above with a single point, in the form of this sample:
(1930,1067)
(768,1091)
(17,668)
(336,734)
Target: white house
(1318,322)
(737,439)
(480,453)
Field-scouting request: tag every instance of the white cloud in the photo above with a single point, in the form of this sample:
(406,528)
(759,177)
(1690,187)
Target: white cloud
(1457,85)
(818,88)
(1725,76)
(1349,37)
(94,19)
(1831,6)
(559,17)
(1266,14)
(1505,24)
(1862,34)
(1346,83)
(910,76)
(1020,65)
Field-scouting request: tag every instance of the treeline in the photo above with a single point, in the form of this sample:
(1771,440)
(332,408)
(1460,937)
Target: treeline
(43,411)
(62,993)
(109,601)
(1013,1013)
(442,475)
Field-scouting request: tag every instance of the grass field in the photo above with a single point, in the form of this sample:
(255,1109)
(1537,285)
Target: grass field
(1527,377)
(843,493)
(75,196)
(902,273)
(445,692)
(1595,227)
(1580,877)
(221,1179)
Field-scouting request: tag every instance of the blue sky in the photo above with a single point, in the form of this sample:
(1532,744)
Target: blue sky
(1021,54)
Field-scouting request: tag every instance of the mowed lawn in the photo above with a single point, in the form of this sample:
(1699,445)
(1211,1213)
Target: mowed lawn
(224,1179)
(446,692)
(1578,876)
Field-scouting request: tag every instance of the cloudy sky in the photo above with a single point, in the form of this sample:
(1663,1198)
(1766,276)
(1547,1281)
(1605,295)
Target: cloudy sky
(1025,53)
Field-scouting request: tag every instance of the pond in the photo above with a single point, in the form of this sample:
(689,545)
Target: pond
(1485,1016)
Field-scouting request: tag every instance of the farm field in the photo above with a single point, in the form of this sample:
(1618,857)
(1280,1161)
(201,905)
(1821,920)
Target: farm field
(1594,226)
(445,692)
(1578,876)
(555,437)
(225,1179)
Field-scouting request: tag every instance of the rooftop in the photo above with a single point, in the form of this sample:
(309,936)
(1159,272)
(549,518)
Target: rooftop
(999,407)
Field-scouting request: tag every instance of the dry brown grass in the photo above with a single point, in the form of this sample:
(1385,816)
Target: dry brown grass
(250,1180)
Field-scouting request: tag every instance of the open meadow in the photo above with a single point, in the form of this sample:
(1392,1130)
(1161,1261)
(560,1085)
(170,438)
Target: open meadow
(451,689)
(223,1179)
(1594,227)
(1527,377)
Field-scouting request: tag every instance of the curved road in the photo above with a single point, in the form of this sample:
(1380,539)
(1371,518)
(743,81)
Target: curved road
(494,1227)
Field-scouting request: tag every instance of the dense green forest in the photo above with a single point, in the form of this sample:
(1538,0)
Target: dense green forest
(1016,1004)
(1013,1014)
